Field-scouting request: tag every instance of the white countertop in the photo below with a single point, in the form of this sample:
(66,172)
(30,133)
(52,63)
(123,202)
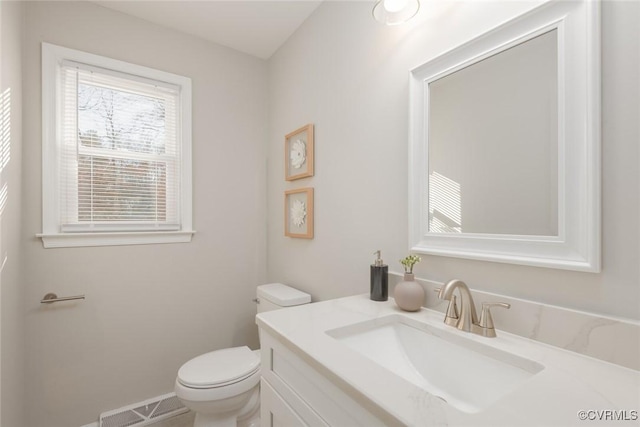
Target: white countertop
(569,383)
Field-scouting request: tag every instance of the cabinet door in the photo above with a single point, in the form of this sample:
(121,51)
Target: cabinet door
(313,397)
(274,411)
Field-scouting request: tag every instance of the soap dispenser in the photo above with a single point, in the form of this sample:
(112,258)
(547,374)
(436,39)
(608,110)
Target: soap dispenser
(379,279)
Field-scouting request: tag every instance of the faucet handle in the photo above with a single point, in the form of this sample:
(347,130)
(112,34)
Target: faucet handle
(453,315)
(486,321)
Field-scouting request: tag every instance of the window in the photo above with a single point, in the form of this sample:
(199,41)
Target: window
(116,152)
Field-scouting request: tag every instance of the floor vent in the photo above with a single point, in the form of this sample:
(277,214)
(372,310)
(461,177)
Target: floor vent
(144,413)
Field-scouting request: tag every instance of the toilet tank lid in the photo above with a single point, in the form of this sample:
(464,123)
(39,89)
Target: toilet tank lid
(283,295)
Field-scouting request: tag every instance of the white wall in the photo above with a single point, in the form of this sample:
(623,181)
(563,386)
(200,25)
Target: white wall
(11,286)
(149,308)
(349,75)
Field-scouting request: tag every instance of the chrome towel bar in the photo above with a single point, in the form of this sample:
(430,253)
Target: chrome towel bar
(51,298)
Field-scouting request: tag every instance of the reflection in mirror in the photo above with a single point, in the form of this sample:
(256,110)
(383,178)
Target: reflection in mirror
(493,144)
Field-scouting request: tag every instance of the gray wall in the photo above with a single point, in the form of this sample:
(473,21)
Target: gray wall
(349,75)
(149,308)
(11,288)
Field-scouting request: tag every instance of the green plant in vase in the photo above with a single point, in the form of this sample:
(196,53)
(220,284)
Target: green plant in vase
(409,262)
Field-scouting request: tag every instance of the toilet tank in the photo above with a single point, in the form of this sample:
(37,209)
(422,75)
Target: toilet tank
(276,295)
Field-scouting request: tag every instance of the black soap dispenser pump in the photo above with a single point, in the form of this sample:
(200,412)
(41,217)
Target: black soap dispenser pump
(379,279)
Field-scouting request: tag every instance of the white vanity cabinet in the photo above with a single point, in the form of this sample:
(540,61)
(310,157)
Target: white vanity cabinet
(293,393)
(313,374)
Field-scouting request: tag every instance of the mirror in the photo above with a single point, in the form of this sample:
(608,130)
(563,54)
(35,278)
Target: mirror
(505,143)
(493,144)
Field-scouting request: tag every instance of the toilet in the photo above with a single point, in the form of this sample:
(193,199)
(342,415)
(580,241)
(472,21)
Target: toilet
(223,387)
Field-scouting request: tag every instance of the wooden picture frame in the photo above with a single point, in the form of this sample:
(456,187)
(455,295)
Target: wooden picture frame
(298,213)
(298,153)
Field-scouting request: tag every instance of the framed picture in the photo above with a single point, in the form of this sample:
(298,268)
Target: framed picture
(298,153)
(298,213)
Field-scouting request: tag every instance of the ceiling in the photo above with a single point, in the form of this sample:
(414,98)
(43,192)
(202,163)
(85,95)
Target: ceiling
(257,27)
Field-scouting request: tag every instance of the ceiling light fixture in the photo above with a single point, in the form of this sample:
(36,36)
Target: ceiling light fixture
(393,12)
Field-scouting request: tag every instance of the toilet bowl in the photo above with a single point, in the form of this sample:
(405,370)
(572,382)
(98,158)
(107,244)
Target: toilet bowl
(223,387)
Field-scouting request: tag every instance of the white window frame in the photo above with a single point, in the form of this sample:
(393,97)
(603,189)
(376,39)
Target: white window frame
(52,234)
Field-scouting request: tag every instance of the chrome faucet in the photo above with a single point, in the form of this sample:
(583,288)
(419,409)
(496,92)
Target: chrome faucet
(467,318)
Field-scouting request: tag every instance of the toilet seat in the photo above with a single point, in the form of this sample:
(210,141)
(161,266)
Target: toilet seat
(219,368)
(217,393)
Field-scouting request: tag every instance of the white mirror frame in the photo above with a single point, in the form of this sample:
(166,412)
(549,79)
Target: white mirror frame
(577,246)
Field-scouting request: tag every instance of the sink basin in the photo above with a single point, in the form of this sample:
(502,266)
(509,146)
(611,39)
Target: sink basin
(466,374)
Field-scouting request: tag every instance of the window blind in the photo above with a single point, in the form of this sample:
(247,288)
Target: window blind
(120,152)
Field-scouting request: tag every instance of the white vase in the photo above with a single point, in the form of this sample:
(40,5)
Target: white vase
(409,294)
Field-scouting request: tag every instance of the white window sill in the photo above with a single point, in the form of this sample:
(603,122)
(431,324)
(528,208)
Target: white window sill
(74,240)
